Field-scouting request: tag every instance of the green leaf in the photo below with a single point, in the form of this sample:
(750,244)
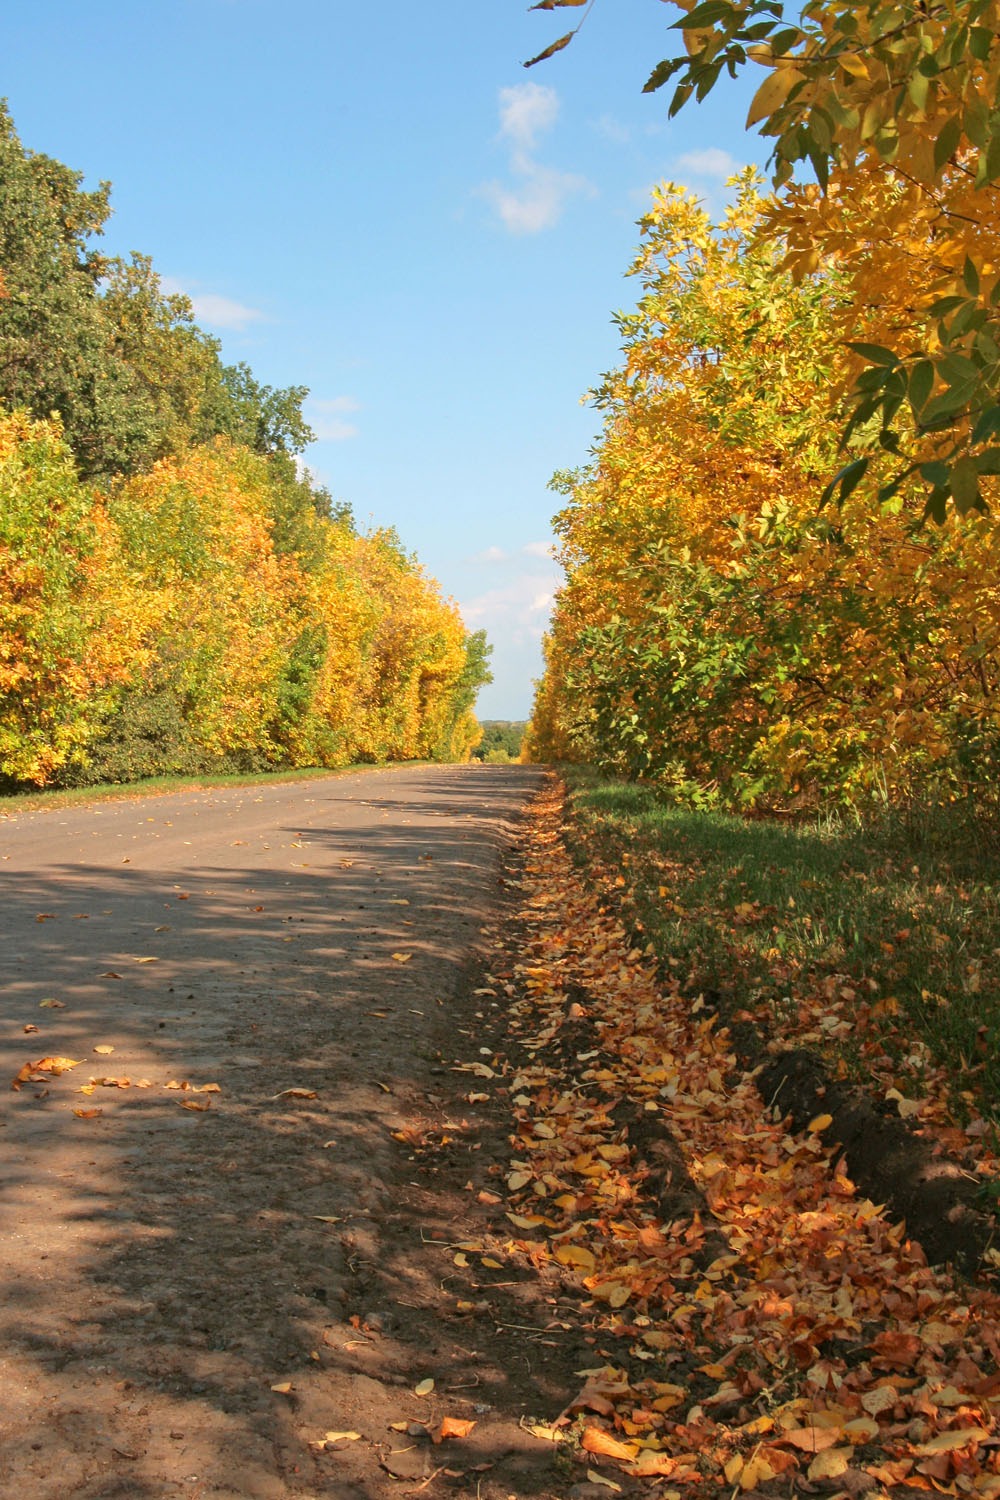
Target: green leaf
(971,277)
(848,478)
(947,142)
(980,42)
(875,354)
(957,369)
(920,385)
(662,74)
(555,4)
(704,15)
(964,482)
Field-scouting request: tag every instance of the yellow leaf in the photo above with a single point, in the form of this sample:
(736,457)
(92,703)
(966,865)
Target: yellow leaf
(518,1180)
(831,1464)
(402,958)
(105,1050)
(294,1094)
(283,1387)
(576,1255)
(424,1388)
(196,1104)
(335,1437)
(821,1122)
(772,93)
(609,1484)
(947,1442)
(88,1114)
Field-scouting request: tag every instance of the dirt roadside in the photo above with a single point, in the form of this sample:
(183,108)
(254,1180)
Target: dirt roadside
(200,1285)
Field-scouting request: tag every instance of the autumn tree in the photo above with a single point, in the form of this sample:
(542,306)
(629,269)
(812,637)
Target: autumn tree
(716,630)
(906,93)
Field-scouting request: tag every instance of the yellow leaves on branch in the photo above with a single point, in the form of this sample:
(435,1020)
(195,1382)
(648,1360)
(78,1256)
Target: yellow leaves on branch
(718,631)
(175,596)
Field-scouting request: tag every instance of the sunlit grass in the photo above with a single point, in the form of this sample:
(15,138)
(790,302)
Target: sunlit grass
(904,913)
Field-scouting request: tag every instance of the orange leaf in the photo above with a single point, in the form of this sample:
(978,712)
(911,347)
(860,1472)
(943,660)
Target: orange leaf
(595,1440)
(453,1427)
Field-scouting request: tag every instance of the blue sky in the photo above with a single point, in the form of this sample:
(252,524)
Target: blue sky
(378,202)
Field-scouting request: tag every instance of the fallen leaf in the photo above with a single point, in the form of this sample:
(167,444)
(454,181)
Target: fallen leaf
(104,1049)
(748,1473)
(45,916)
(197,1104)
(424,1388)
(821,1122)
(52,1005)
(109,974)
(453,1427)
(957,1437)
(295,1094)
(596,1440)
(608,1484)
(402,958)
(576,1255)
(283,1387)
(328,1218)
(831,1464)
(811,1439)
(337,1437)
(53,1065)
(88,1114)
(147,960)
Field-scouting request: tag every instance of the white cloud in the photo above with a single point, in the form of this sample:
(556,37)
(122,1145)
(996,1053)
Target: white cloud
(711,162)
(536,201)
(213,309)
(537,549)
(525,111)
(517,612)
(490,555)
(326,417)
(536,195)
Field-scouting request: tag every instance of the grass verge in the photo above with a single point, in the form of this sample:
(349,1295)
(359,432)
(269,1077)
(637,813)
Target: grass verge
(878,946)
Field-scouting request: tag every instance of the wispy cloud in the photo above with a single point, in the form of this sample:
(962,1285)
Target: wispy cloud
(516,612)
(536,195)
(215,310)
(526,110)
(711,162)
(327,418)
(537,549)
(490,555)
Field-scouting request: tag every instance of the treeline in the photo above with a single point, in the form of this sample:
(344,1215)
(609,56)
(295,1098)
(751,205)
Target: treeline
(720,630)
(176,594)
(501,741)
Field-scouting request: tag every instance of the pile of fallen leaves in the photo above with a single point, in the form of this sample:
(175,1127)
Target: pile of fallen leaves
(760,1321)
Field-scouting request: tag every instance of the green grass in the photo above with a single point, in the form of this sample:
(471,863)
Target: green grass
(880,945)
(156,785)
